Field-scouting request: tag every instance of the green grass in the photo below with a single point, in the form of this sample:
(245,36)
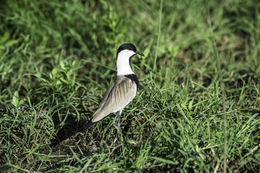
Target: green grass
(199,107)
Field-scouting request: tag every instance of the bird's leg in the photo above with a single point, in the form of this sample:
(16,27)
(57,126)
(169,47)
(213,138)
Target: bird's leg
(117,126)
(118,122)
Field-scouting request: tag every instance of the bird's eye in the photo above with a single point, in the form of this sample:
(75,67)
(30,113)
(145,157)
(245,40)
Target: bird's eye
(130,48)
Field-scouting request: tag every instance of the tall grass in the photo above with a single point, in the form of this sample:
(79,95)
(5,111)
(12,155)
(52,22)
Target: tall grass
(159,35)
(198,110)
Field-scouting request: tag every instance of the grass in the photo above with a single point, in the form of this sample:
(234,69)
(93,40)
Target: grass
(198,110)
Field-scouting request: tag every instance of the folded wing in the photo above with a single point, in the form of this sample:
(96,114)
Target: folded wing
(120,94)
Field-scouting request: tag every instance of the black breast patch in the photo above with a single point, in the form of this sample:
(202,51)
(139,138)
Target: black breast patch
(133,78)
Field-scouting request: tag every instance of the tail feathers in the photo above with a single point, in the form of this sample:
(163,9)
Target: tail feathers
(88,125)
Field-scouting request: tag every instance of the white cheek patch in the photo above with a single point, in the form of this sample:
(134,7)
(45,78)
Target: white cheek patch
(126,53)
(123,64)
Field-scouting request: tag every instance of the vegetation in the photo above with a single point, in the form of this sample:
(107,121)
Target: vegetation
(199,107)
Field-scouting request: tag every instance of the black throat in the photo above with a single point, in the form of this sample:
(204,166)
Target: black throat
(133,78)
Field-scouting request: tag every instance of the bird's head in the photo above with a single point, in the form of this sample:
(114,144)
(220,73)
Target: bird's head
(124,54)
(127,50)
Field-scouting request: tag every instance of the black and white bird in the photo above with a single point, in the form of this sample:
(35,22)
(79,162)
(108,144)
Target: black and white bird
(122,91)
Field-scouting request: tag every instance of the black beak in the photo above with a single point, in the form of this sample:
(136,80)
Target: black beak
(139,53)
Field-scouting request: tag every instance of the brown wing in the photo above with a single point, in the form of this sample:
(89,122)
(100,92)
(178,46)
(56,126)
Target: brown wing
(120,94)
(106,95)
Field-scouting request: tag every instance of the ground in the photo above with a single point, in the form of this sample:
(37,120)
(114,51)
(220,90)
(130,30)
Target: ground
(197,111)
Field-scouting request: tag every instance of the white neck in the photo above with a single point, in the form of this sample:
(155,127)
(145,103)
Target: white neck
(123,63)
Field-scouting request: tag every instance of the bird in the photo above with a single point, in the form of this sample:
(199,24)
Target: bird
(122,91)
